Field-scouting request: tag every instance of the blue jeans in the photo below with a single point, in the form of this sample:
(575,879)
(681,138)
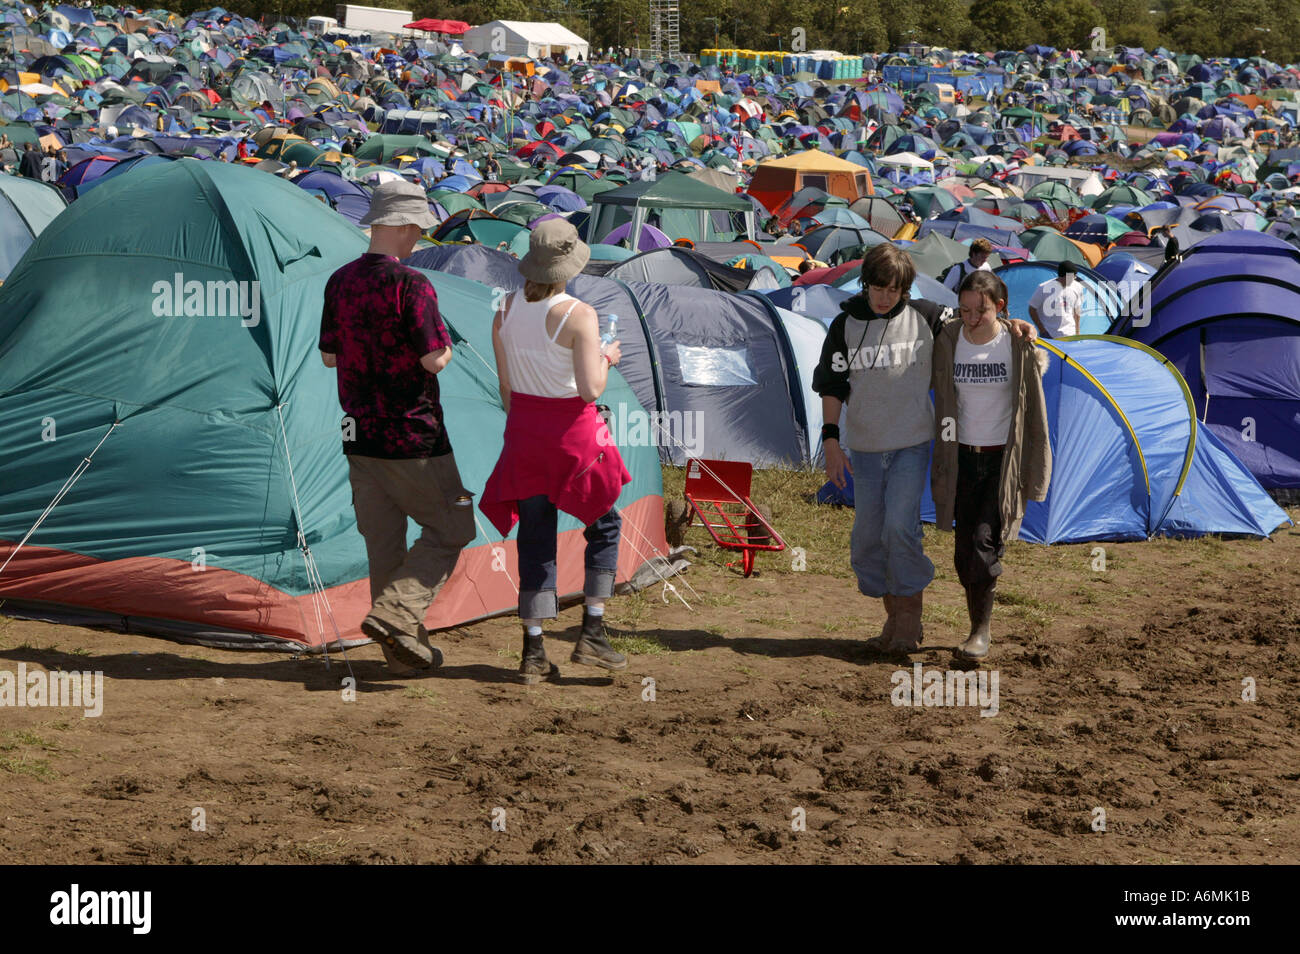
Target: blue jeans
(537,543)
(885,547)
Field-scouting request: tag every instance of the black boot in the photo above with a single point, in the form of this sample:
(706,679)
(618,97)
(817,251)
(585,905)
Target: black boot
(535,666)
(979,604)
(593,647)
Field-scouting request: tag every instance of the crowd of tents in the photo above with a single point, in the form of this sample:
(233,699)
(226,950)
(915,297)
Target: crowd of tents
(193,464)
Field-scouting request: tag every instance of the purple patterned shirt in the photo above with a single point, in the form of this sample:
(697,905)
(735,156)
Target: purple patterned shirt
(380,318)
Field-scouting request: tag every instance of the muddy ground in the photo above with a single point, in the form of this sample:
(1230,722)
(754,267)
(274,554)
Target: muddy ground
(1119,689)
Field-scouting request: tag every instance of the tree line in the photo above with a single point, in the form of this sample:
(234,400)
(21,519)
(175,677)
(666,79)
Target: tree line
(1228,28)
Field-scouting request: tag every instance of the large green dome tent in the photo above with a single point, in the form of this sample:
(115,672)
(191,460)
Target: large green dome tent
(215,506)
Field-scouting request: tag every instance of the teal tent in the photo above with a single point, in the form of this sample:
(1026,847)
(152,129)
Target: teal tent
(215,506)
(26,208)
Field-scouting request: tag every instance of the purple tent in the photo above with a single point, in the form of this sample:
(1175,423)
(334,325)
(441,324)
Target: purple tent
(1228,317)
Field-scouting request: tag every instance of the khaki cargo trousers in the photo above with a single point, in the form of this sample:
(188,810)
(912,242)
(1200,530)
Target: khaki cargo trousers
(428,490)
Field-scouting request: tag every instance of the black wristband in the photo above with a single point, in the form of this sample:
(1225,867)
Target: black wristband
(830,432)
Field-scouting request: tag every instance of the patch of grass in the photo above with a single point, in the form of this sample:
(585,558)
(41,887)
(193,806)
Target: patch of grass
(785,623)
(949,616)
(746,670)
(22,761)
(819,711)
(419,692)
(631,608)
(1084,595)
(27,737)
(315,850)
(639,646)
(24,764)
(79,651)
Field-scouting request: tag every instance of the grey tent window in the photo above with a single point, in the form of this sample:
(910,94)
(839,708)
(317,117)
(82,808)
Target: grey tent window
(814,181)
(715,367)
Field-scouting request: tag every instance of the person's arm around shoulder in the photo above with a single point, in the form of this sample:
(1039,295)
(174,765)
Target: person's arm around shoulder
(590,364)
(1023,329)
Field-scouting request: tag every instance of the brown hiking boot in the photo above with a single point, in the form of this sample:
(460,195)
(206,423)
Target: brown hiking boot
(405,648)
(397,668)
(884,642)
(907,630)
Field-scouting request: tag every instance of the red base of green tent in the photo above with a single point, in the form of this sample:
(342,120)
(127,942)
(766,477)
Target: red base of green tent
(217,607)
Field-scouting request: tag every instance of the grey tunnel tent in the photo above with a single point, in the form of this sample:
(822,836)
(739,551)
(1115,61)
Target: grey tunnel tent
(721,365)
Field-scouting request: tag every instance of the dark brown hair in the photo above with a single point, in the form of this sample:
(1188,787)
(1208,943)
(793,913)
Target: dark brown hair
(988,285)
(888,266)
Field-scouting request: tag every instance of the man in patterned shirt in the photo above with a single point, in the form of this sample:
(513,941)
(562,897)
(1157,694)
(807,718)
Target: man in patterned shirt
(380,327)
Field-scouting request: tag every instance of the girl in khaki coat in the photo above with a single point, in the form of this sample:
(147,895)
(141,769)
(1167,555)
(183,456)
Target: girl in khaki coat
(992,453)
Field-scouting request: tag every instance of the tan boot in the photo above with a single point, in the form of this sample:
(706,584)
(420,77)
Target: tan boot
(907,629)
(885,640)
(397,668)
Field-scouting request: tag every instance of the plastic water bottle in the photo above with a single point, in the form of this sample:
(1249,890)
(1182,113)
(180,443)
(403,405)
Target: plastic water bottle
(611,332)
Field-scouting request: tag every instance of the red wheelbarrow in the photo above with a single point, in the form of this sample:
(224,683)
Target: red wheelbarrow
(717,491)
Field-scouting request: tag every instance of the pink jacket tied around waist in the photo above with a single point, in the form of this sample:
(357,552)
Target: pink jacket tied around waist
(559,447)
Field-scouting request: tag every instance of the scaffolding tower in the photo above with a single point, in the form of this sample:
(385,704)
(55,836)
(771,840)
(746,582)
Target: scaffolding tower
(664,18)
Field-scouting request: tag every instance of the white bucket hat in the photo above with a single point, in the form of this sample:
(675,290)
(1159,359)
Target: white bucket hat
(398,202)
(555,253)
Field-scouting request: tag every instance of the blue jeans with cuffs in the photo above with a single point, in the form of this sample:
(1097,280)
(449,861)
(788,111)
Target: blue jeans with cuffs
(886,544)
(537,543)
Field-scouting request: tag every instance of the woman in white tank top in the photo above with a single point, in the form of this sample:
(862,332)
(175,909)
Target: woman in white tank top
(558,454)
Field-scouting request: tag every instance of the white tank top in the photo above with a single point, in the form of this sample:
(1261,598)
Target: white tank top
(538,365)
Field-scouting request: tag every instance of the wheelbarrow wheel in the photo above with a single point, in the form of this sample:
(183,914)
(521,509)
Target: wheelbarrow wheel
(677,514)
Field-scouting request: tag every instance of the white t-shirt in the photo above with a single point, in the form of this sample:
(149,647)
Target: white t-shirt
(982,374)
(1059,309)
(957,274)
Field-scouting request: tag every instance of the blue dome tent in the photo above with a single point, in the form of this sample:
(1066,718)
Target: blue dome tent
(1129,460)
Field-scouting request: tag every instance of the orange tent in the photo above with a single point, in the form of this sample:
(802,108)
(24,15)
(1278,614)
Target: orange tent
(775,180)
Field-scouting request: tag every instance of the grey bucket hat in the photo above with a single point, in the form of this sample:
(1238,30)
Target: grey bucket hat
(555,253)
(398,202)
